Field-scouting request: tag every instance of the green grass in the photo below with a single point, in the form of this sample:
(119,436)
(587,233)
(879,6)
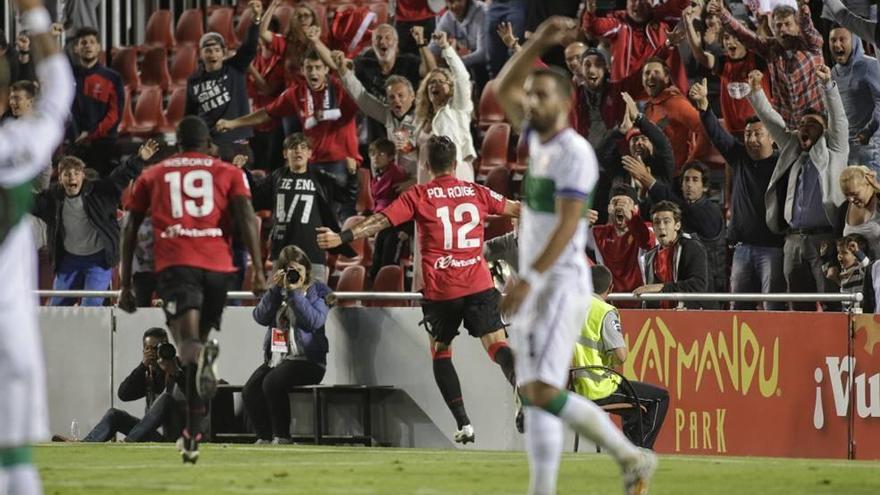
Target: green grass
(100,469)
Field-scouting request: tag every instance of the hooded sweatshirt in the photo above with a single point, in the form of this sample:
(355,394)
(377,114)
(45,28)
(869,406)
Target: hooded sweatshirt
(859,83)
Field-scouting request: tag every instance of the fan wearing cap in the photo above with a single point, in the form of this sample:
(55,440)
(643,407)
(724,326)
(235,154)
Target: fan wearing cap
(598,101)
(218,89)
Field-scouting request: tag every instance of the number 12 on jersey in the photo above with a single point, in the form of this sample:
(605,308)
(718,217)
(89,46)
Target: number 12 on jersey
(458,214)
(195,185)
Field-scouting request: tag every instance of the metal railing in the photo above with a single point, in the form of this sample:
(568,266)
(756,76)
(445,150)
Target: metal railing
(416,296)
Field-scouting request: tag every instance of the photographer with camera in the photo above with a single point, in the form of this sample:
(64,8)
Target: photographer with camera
(154,379)
(295,346)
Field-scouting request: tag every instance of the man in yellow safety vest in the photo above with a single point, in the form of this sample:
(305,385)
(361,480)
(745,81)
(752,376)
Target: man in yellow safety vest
(601,344)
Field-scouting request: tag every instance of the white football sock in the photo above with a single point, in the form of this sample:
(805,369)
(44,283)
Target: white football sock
(22,480)
(588,419)
(544,448)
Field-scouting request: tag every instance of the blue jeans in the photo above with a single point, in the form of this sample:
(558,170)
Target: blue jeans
(512,11)
(81,273)
(757,269)
(160,414)
(865,154)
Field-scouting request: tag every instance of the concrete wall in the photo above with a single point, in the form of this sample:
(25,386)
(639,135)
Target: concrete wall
(90,351)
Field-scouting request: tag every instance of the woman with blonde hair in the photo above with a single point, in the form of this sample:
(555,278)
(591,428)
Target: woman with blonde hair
(295,347)
(860,186)
(443,108)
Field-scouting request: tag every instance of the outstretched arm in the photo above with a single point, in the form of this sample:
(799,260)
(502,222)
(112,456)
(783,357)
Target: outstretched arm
(515,72)
(327,239)
(864,28)
(769,117)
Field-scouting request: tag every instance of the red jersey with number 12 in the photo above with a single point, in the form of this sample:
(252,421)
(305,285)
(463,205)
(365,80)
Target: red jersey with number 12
(188,196)
(450,215)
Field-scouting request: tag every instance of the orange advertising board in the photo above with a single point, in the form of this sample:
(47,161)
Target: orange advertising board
(747,383)
(864,394)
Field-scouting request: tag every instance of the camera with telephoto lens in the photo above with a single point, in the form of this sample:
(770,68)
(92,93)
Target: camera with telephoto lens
(292,276)
(166,351)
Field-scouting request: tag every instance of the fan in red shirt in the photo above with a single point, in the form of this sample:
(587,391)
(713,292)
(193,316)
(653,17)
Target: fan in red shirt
(193,199)
(621,241)
(328,117)
(449,214)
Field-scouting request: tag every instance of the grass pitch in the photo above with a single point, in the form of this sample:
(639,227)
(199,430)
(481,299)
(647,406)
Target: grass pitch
(105,469)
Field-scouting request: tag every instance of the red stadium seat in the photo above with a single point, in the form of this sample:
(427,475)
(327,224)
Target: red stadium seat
(158,31)
(244,23)
(190,27)
(489,110)
(522,156)
(381,11)
(365,196)
(154,69)
(183,65)
(125,63)
(220,21)
(389,279)
(127,122)
(493,151)
(351,280)
(498,180)
(284,13)
(175,110)
(359,246)
(497,226)
(148,116)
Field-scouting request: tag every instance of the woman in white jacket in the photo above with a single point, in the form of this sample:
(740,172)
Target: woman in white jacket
(444,108)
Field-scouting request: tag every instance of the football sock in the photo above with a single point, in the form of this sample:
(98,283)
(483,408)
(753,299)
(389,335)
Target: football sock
(543,441)
(589,420)
(450,387)
(500,353)
(17,475)
(195,407)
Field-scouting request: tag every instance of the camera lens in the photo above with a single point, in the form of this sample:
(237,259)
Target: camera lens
(292,276)
(166,351)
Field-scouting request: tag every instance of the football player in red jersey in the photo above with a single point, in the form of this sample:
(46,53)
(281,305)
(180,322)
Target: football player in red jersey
(194,200)
(449,214)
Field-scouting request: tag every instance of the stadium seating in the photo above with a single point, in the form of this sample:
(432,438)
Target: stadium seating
(381,11)
(497,226)
(125,63)
(493,151)
(244,23)
(351,280)
(148,116)
(389,279)
(126,124)
(220,21)
(489,110)
(498,180)
(158,31)
(183,65)
(359,246)
(175,110)
(284,13)
(190,28)
(154,69)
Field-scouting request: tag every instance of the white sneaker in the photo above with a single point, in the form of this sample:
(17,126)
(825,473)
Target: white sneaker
(206,375)
(637,473)
(464,435)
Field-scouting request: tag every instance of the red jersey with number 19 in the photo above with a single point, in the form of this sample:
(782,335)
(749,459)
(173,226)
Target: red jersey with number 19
(188,197)
(450,215)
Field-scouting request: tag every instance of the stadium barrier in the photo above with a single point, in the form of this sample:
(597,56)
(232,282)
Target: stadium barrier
(741,382)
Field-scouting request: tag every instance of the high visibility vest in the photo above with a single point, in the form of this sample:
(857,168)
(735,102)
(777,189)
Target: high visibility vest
(593,384)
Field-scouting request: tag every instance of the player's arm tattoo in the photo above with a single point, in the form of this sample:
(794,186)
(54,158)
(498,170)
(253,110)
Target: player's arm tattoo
(370,226)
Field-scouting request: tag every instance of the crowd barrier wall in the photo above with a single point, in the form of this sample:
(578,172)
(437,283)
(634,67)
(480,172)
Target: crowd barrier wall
(740,383)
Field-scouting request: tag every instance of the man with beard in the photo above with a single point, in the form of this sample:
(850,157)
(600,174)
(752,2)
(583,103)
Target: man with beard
(673,113)
(598,101)
(858,79)
(757,255)
(811,159)
(620,242)
(793,54)
(636,34)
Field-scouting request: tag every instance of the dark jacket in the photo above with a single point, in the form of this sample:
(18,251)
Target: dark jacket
(704,222)
(330,191)
(100,200)
(689,271)
(99,102)
(222,94)
(748,222)
(310,312)
(140,384)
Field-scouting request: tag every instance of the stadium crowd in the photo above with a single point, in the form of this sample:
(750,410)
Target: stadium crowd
(738,143)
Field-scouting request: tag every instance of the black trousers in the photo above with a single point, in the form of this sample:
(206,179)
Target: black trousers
(655,401)
(144,285)
(265,395)
(388,247)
